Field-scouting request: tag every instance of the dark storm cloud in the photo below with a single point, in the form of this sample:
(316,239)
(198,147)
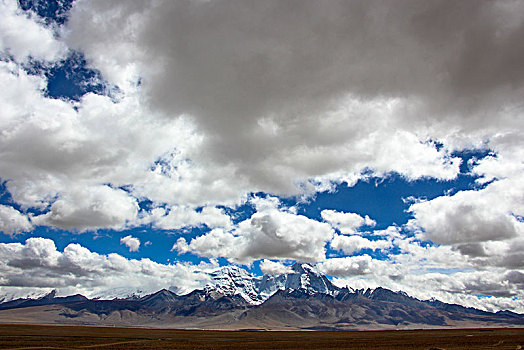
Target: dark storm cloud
(261,77)
(241,59)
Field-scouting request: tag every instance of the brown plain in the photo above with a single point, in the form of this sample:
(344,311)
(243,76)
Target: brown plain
(23,336)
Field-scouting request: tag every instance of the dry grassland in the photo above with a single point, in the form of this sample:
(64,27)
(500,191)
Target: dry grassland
(19,337)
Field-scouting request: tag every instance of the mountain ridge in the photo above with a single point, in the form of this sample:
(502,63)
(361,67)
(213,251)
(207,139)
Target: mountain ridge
(303,298)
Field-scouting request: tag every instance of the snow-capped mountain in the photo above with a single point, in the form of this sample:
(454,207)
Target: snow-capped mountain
(121,293)
(304,278)
(233,280)
(16,294)
(235,299)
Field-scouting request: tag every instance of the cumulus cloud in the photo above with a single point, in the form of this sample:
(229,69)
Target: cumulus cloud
(258,88)
(349,266)
(269,267)
(484,226)
(270,234)
(231,104)
(178,217)
(258,62)
(505,160)
(37,264)
(391,232)
(467,217)
(352,244)
(265,203)
(132,243)
(23,37)
(90,208)
(346,223)
(12,221)
(432,271)
(417,275)
(55,156)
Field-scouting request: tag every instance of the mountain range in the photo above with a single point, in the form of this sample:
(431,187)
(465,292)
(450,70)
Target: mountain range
(302,298)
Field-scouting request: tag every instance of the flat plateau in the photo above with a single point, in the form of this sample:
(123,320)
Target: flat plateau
(32,336)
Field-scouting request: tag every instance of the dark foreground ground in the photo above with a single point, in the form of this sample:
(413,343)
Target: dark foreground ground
(80,337)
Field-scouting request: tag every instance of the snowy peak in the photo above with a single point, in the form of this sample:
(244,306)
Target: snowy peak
(308,279)
(121,293)
(49,296)
(304,278)
(48,299)
(233,280)
(304,268)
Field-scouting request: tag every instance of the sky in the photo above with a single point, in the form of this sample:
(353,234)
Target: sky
(146,143)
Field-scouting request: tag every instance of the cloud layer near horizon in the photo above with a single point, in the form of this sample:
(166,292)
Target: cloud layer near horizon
(36,267)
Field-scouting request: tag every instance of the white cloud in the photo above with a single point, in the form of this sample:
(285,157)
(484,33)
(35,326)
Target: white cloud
(346,223)
(12,221)
(132,243)
(470,216)
(418,275)
(271,234)
(267,130)
(506,160)
(269,267)
(38,265)
(265,203)
(90,208)
(352,244)
(178,217)
(419,257)
(349,266)
(391,232)
(23,37)
(483,226)
(58,157)
(225,132)
(437,271)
